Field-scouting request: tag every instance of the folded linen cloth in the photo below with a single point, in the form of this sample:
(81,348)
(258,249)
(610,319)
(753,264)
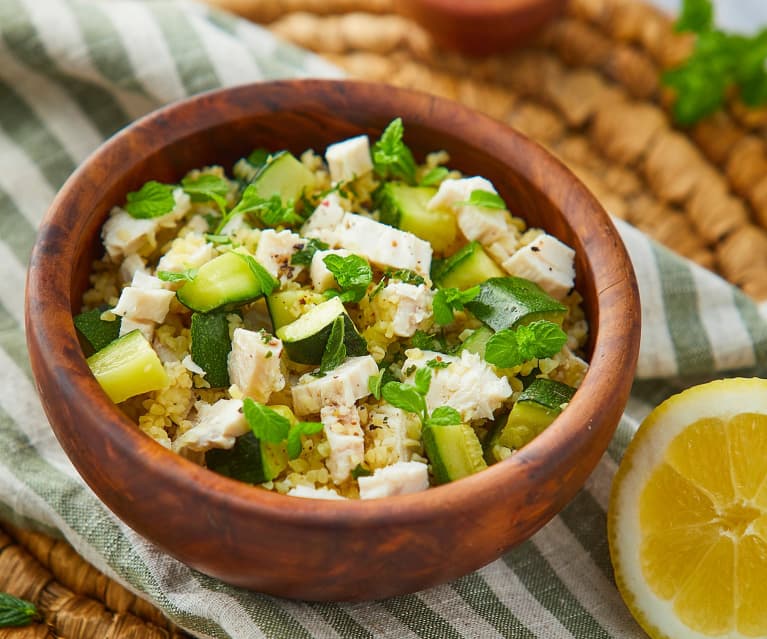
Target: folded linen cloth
(74,71)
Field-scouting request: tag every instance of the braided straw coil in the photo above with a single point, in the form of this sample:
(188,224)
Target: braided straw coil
(702,192)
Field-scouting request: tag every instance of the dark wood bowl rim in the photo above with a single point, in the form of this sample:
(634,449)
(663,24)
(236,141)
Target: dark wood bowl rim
(176,473)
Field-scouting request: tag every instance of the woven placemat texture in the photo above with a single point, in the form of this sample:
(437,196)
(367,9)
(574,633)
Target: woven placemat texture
(588,91)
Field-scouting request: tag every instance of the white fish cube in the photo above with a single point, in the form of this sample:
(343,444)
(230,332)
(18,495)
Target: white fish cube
(347,443)
(216,426)
(144,304)
(349,159)
(131,265)
(309,492)
(384,245)
(254,364)
(274,251)
(547,262)
(453,192)
(468,384)
(340,387)
(401,478)
(128,325)
(325,220)
(407,306)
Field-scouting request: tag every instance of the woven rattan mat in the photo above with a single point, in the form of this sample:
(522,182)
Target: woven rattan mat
(587,90)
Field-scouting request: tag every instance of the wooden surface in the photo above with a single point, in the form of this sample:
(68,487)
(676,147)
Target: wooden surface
(287,546)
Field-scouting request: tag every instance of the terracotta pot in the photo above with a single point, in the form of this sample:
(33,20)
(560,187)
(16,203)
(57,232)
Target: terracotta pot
(305,548)
(481,27)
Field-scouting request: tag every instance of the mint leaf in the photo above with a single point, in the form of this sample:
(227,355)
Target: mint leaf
(406,276)
(259,158)
(172,276)
(217,239)
(404,396)
(423,380)
(435,176)
(437,363)
(294,436)
(265,279)
(448,300)
(270,211)
(335,349)
(444,416)
(15,612)
(695,16)
(485,200)
(391,158)
(353,275)
(514,346)
(374,385)
(154,199)
(267,425)
(360,471)
(206,187)
(305,255)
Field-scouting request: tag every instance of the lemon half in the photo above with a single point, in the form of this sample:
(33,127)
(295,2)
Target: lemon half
(687,522)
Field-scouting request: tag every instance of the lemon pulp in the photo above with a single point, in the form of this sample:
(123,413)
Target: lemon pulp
(701,528)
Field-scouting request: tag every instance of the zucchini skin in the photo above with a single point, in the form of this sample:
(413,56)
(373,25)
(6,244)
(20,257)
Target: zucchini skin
(310,349)
(249,460)
(97,332)
(211,346)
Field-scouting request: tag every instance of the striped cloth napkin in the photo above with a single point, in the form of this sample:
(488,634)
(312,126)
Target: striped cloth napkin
(74,71)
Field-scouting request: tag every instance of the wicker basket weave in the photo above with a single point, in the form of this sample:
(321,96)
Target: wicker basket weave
(703,192)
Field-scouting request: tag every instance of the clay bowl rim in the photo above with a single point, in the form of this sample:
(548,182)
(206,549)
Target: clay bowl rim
(562,440)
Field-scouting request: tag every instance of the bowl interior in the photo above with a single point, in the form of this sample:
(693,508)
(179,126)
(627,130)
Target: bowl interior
(399,538)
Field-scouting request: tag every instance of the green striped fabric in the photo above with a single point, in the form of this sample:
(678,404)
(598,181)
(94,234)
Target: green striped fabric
(72,72)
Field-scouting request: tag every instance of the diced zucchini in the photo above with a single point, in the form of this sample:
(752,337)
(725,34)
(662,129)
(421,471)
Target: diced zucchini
(477,341)
(535,410)
(211,346)
(287,306)
(127,367)
(504,302)
(405,207)
(225,282)
(454,451)
(96,331)
(305,338)
(285,176)
(466,268)
(249,460)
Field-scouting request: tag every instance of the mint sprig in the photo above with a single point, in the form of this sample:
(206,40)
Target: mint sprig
(335,349)
(154,199)
(514,346)
(304,255)
(294,436)
(412,398)
(392,159)
(448,300)
(435,176)
(205,187)
(172,276)
(485,200)
(266,280)
(353,275)
(269,426)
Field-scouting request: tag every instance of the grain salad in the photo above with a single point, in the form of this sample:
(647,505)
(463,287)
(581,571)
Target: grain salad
(353,325)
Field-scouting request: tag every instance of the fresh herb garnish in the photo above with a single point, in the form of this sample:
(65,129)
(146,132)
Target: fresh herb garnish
(448,300)
(719,62)
(172,276)
(217,239)
(294,436)
(435,176)
(514,346)
(428,342)
(360,471)
(305,255)
(265,279)
(353,275)
(270,211)
(267,424)
(392,159)
(412,398)
(437,363)
(154,199)
(259,158)
(485,200)
(206,187)
(406,276)
(15,612)
(335,349)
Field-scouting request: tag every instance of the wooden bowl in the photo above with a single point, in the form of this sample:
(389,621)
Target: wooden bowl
(481,27)
(305,548)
